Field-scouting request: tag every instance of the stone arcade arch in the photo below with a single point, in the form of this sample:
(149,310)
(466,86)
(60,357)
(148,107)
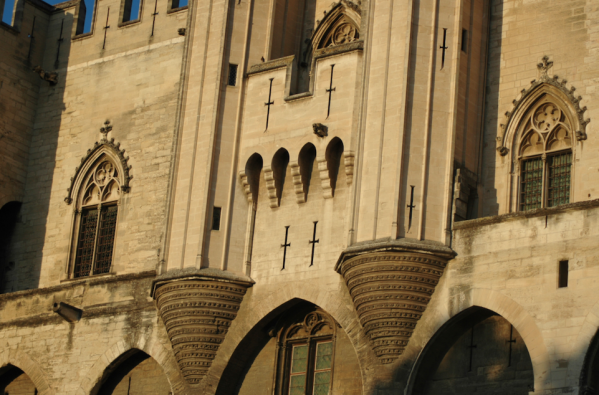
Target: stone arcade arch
(133,373)
(13,381)
(163,357)
(477,350)
(278,336)
(17,359)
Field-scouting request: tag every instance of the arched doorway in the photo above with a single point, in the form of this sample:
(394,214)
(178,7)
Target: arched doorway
(299,348)
(589,376)
(133,373)
(13,381)
(478,351)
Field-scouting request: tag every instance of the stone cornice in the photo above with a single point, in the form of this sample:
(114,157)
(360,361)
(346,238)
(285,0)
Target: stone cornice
(200,274)
(541,212)
(397,245)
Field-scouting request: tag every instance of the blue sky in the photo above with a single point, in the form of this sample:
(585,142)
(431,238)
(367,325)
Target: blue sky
(9,4)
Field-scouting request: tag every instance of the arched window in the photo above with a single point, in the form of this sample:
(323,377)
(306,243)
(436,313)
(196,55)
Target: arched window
(540,134)
(545,154)
(306,354)
(97,209)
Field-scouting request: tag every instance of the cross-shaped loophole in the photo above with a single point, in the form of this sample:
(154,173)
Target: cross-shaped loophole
(547,117)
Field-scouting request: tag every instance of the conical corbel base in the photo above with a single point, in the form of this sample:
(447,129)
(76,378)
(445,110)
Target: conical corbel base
(390,291)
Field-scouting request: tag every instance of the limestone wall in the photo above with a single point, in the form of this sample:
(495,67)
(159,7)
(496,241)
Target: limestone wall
(133,83)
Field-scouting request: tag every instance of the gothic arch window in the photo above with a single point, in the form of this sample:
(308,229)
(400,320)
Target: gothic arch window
(306,353)
(97,209)
(545,156)
(96,190)
(541,134)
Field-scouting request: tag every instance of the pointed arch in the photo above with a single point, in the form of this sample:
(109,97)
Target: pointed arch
(250,177)
(104,148)
(302,172)
(274,175)
(341,25)
(161,355)
(21,360)
(329,167)
(554,91)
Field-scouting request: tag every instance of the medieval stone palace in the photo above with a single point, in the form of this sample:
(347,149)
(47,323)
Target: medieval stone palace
(299,197)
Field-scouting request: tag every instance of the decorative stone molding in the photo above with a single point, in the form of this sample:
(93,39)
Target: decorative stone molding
(197,312)
(114,149)
(271,188)
(348,161)
(512,116)
(391,290)
(298,185)
(246,186)
(325,179)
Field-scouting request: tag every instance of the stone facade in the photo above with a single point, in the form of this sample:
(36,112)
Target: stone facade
(280,197)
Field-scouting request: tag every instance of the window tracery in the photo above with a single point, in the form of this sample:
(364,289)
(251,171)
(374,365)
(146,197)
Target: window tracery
(97,208)
(541,133)
(545,154)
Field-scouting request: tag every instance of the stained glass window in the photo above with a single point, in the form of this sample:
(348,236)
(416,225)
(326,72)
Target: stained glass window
(531,184)
(558,191)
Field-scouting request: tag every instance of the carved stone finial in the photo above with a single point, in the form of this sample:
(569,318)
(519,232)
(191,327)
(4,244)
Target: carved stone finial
(581,135)
(544,66)
(106,129)
(320,130)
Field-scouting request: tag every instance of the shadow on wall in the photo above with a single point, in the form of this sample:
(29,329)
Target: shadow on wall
(489,201)
(28,235)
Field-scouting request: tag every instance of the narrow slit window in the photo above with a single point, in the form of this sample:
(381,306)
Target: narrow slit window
(563,274)
(531,184)
(216,218)
(464,40)
(232,75)
(558,191)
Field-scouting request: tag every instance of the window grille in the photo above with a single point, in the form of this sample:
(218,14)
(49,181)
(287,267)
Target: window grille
(531,184)
(558,191)
(105,239)
(87,240)
(232,75)
(96,240)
